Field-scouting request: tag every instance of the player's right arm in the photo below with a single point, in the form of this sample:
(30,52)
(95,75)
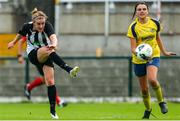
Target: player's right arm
(22,32)
(132,38)
(14,41)
(20,50)
(133,45)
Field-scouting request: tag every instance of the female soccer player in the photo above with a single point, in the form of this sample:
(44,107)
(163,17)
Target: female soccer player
(41,47)
(38,81)
(146,30)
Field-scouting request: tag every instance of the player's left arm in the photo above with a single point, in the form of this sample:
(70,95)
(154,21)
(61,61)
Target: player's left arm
(52,36)
(53,40)
(162,48)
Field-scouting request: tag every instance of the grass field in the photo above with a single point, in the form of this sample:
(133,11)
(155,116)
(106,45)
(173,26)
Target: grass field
(85,111)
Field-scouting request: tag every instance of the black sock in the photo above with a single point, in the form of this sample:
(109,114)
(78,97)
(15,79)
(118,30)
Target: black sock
(58,60)
(52,98)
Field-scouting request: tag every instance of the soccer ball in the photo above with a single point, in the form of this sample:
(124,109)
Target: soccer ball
(144,51)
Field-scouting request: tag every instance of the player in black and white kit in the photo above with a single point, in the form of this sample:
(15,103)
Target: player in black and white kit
(41,46)
(38,81)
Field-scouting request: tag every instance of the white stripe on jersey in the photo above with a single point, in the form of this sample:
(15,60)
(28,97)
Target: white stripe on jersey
(31,44)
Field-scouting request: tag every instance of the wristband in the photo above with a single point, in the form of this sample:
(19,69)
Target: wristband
(19,55)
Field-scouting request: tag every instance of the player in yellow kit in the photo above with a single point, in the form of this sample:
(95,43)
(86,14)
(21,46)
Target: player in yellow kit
(144,29)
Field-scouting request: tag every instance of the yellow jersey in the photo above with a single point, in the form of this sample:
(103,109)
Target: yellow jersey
(145,33)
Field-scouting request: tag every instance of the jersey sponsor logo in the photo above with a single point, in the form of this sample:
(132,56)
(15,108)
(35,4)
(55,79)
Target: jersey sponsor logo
(148,38)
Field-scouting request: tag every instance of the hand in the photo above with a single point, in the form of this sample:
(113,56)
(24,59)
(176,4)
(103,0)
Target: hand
(20,59)
(169,54)
(51,47)
(11,45)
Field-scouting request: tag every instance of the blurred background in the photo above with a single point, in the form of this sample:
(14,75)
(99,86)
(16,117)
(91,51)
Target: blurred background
(92,35)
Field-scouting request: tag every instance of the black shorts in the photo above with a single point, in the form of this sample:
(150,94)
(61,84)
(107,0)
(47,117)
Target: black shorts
(34,60)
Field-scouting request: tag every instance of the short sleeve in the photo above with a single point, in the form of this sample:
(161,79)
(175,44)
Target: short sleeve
(157,24)
(131,31)
(49,30)
(24,30)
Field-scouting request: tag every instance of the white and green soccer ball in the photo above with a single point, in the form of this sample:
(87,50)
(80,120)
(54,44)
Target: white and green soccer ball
(144,51)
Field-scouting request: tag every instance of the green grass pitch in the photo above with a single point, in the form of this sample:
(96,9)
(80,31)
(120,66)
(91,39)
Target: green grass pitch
(86,111)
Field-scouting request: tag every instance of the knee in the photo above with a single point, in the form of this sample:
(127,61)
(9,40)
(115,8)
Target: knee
(44,51)
(50,82)
(154,82)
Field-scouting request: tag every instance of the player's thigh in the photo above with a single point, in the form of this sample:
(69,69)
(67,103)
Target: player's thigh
(152,69)
(42,54)
(152,72)
(139,69)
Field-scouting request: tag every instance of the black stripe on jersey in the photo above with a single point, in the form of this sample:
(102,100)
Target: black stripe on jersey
(36,39)
(133,30)
(29,38)
(157,24)
(44,38)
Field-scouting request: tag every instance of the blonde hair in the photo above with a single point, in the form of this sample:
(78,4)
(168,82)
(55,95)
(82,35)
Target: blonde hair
(35,14)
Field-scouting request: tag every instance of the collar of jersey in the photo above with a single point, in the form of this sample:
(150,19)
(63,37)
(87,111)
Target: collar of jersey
(143,24)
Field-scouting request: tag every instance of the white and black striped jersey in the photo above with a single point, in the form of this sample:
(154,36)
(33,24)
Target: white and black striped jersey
(36,39)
